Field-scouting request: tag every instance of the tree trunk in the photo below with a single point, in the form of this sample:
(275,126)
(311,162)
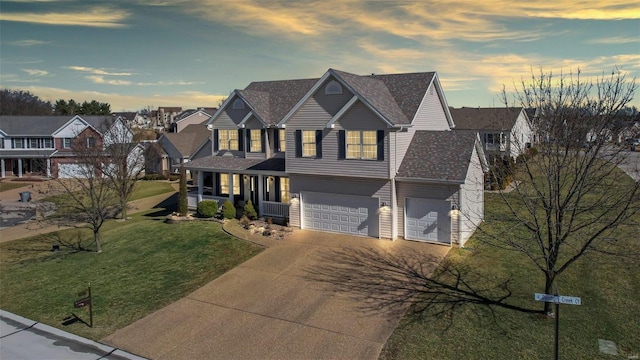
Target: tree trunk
(123,210)
(549,289)
(96,238)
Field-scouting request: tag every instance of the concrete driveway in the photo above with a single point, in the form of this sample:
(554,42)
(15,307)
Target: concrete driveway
(269,308)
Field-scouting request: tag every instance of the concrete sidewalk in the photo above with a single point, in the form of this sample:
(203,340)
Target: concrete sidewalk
(269,308)
(21,338)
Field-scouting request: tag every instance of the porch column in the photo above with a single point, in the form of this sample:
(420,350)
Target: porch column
(19,168)
(2,168)
(260,195)
(231,188)
(48,167)
(200,185)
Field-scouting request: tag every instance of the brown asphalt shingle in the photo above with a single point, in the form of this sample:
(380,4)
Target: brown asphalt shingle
(439,155)
(502,118)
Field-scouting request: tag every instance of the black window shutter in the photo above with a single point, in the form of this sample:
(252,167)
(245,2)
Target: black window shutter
(248,134)
(240,140)
(342,147)
(216,140)
(218,184)
(276,140)
(277,188)
(380,144)
(319,144)
(263,140)
(298,143)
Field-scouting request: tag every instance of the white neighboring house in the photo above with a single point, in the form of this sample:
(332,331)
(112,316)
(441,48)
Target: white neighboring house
(504,131)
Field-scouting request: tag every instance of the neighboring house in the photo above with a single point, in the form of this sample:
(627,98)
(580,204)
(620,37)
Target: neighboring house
(363,155)
(192,117)
(42,145)
(192,143)
(165,116)
(505,131)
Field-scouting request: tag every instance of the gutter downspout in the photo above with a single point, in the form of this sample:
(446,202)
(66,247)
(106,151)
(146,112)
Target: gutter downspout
(460,197)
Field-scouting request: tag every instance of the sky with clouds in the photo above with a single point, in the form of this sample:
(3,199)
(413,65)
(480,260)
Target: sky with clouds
(136,54)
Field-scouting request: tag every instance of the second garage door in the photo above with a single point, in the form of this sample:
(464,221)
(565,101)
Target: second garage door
(427,220)
(355,215)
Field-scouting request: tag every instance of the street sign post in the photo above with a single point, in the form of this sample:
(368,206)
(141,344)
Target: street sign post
(85,301)
(557,299)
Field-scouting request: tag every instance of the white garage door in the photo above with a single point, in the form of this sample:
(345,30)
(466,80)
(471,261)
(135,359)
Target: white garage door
(355,215)
(67,171)
(427,220)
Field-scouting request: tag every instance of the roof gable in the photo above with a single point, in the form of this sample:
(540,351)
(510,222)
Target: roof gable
(188,140)
(33,125)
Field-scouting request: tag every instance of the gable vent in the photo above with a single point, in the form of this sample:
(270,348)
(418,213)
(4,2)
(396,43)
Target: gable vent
(238,104)
(333,88)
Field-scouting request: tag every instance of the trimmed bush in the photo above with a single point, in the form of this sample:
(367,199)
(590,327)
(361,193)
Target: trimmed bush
(250,211)
(207,208)
(228,210)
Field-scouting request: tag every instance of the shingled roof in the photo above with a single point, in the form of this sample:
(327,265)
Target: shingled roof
(230,163)
(46,125)
(439,155)
(188,140)
(502,118)
(272,100)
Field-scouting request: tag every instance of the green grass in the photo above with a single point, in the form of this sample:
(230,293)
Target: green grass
(609,288)
(145,265)
(10,185)
(145,189)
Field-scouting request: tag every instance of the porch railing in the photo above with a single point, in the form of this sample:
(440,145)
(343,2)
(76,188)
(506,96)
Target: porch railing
(192,198)
(276,209)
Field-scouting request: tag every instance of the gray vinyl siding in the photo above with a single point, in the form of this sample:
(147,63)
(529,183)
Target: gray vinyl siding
(425,191)
(358,117)
(472,199)
(204,151)
(229,118)
(431,114)
(373,188)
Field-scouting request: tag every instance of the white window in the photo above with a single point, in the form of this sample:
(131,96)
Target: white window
(362,144)
(66,143)
(91,142)
(33,143)
(18,144)
(238,104)
(47,143)
(333,88)
(282,139)
(227,139)
(308,143)
(284,190)
(224,184)
(495,139)
(256,140)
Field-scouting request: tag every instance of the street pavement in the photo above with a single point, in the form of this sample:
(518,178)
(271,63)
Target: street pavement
(21,338)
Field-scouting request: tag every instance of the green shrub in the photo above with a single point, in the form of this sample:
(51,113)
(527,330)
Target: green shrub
(250,211)
(228,210)
(207,208)
(174,177)
(152,177)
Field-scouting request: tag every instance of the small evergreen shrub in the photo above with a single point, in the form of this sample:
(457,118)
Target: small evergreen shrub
(207,208)
(228,210)
(250,211)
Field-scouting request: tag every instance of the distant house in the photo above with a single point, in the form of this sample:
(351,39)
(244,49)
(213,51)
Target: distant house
(165,116)
(369,155)
(44,145)
(505,131)
(191,143)
(192,117)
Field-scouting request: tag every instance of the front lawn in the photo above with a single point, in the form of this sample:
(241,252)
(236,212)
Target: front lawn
(145,265)
(10,185)
(609,288)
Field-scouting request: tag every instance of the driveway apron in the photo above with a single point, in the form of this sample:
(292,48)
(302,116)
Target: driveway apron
(267,308)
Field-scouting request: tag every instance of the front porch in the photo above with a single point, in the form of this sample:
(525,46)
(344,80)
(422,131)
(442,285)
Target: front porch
(268,193)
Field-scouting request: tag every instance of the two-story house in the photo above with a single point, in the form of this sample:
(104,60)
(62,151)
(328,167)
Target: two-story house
(43,145)
(505,131)
(364,155)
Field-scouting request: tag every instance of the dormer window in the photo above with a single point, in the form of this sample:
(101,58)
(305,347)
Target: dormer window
(333,88)
(238,104)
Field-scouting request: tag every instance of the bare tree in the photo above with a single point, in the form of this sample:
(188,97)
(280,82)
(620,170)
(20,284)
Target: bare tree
(124,162)
(88,197)
(570,198)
